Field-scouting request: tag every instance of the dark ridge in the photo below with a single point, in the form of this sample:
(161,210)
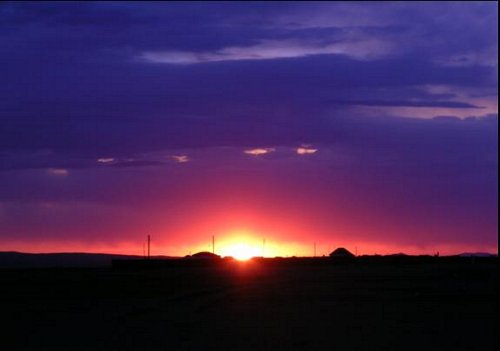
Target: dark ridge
(303,261)
(13,259)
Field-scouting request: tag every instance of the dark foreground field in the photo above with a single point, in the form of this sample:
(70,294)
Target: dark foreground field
(431,306)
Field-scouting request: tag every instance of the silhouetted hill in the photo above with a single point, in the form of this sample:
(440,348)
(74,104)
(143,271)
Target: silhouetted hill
(477,254)
(203,255)
(14,259)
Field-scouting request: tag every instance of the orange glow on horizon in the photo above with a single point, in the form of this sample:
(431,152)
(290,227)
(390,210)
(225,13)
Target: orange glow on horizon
(242,244)
(241,252)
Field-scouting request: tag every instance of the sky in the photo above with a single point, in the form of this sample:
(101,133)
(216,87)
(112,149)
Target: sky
(372,126)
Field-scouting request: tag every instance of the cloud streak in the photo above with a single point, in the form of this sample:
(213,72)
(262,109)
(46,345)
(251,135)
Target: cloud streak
(180,158)
(271,49)
(58,172)
(105,160)
(259,151)
(409,103)
(304,150)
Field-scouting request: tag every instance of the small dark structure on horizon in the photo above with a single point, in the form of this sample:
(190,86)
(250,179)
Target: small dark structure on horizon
(342,252)
(203,255)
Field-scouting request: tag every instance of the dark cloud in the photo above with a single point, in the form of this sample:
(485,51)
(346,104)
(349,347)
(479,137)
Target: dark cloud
(451,104)
(89,108)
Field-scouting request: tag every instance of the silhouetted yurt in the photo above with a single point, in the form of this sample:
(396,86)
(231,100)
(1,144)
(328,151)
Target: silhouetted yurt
(341,252)
(204,255)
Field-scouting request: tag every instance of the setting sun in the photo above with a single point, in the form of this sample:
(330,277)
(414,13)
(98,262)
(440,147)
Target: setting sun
(241,251)
(245,243)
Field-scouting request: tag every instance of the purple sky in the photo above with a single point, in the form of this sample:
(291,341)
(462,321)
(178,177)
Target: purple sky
(373,125)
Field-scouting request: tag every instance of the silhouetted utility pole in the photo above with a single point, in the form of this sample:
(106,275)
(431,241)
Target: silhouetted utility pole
(149,247)
(314,249)
(263,247)
(213,244)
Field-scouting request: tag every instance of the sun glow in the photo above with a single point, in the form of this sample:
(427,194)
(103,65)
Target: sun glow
(243,244)
(241,251)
